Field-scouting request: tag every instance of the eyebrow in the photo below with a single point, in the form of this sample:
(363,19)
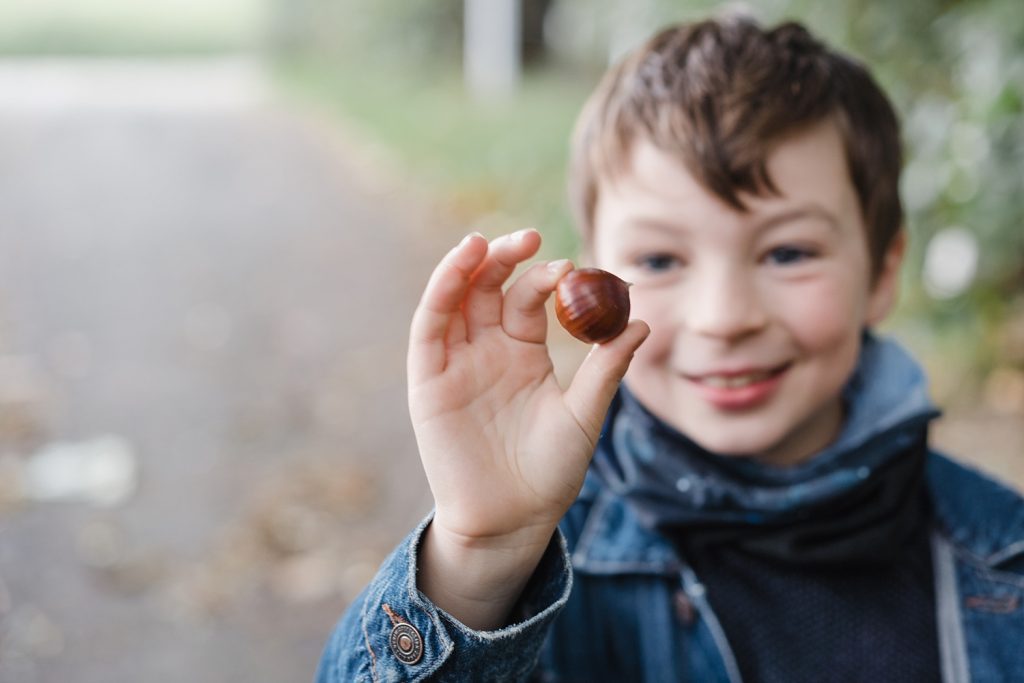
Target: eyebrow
(786,216)
(803,211)
(656,225)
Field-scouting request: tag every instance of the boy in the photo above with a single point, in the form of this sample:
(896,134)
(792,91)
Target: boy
(756,501)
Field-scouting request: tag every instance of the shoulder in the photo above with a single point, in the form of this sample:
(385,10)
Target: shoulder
(976,512)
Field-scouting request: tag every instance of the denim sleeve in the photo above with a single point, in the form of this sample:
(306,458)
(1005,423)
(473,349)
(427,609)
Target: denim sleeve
(360,647)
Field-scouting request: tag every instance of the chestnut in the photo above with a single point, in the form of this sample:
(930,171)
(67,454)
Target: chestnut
(592,304)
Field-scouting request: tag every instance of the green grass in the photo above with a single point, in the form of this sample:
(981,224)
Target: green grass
(480,159)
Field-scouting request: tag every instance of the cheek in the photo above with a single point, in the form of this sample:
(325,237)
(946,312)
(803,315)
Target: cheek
(655,309)
(828,317)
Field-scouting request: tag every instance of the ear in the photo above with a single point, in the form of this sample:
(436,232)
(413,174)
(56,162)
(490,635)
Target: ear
(886,286)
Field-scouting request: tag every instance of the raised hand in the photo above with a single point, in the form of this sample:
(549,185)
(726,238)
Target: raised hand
(505,450)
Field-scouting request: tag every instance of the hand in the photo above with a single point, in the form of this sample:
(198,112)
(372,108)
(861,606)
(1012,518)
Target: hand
(505,450)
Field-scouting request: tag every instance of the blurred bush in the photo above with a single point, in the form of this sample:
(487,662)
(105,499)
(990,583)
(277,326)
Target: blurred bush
(386,32)
(955,71)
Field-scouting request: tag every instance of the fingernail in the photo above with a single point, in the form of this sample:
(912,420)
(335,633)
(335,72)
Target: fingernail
(520,235)
(467,238)
(557,266)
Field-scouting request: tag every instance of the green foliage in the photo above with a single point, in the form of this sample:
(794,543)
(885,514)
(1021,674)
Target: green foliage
(955,71)
(502,163)
(395,34)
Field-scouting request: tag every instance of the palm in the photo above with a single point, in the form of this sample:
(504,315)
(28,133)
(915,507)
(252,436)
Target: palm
(498,418)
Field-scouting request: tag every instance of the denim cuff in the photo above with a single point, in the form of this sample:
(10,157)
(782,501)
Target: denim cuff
(440,646)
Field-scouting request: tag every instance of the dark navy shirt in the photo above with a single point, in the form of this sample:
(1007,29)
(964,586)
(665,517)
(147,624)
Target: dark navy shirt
(851,622)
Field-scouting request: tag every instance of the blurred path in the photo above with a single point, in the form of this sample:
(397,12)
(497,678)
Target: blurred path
(193,271)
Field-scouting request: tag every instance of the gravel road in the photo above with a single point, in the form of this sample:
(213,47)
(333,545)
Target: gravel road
(203,278)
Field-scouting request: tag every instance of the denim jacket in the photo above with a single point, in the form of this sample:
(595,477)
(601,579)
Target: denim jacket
(612,601)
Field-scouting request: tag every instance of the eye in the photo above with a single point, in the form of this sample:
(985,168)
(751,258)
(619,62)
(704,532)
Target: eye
(789,255)
(657,263)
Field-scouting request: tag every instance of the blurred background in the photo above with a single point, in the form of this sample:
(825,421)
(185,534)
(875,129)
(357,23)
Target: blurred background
(216,218)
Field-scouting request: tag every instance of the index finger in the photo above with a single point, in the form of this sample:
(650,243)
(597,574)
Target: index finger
(441,301)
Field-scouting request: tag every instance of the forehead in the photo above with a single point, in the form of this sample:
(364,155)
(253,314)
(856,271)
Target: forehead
(809,167)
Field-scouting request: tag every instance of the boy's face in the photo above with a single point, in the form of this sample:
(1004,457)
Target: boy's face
(755,317)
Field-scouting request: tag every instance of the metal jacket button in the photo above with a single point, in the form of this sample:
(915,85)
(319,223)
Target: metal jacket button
(405,641)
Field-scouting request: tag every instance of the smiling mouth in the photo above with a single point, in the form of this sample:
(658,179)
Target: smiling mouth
(737,381)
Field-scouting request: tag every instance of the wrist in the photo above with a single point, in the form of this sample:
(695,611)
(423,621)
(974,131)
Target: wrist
(478,580)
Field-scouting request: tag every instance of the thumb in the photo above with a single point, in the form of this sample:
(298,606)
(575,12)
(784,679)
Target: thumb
(591,390)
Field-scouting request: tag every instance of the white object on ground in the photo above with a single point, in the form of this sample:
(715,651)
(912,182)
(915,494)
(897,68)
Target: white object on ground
(101,471)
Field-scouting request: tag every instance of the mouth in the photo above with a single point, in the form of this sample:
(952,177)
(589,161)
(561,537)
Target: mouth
(741,389)
(738,379)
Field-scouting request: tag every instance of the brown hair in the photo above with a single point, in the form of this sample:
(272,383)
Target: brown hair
(719,95)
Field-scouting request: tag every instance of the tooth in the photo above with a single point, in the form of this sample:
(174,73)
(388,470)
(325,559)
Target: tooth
(721,382)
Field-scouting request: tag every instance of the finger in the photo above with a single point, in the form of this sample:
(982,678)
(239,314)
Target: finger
(483,301)
(523,316)
(456,330)
(591,390)
(440,304)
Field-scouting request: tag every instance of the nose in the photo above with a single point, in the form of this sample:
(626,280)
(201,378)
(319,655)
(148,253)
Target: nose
(725,303)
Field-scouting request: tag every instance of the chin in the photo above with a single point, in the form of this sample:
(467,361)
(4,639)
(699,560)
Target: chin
(733,445)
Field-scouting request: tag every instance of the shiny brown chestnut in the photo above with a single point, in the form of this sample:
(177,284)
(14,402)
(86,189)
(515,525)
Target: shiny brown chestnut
(592,304)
